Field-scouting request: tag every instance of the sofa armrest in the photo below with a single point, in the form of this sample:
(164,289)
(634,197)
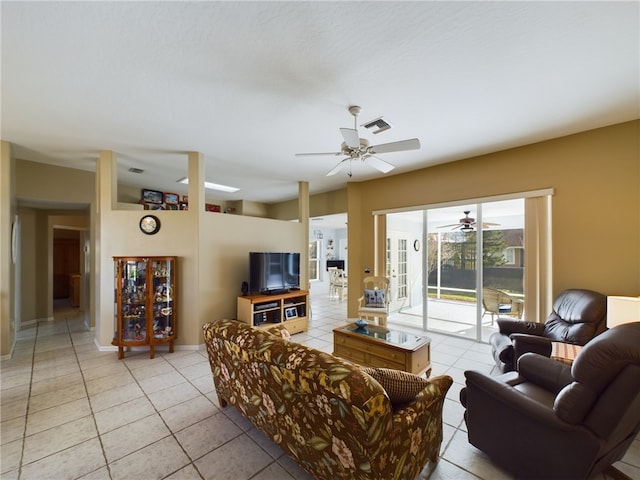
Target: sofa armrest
(523,343)
(419,421)
(508,326)
(549,374)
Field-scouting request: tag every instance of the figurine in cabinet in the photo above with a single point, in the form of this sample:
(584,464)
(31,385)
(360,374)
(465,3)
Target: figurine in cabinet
(137,330)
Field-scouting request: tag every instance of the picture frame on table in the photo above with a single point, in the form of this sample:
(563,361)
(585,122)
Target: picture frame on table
(152,196)
(171,198)
(290,312)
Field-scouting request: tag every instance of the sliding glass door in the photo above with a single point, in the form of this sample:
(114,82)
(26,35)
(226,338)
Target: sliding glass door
(444,261)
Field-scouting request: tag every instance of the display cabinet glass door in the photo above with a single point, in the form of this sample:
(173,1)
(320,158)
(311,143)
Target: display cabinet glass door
(133,301)
(163,297)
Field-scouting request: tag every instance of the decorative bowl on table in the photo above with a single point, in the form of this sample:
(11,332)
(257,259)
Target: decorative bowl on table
(361,324)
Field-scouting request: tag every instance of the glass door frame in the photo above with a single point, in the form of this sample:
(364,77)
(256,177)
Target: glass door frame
(537,222)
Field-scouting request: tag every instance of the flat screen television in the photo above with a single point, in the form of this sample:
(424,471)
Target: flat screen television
(274,272)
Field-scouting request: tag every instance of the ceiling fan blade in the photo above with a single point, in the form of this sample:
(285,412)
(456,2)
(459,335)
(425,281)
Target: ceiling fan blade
(350,137)
(412,144)
(337,168)
(315,154)
(379,164)
(486,225)
(452,225)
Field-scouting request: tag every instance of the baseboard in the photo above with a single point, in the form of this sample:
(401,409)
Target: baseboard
(144,348)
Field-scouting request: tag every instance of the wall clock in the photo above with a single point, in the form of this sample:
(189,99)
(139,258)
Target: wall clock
(416,245)
(150,224)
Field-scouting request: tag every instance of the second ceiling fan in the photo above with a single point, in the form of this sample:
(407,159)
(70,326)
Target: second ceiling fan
(468,224)
(356,148)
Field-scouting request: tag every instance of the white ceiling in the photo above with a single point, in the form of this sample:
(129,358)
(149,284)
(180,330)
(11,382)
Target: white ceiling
(249,84)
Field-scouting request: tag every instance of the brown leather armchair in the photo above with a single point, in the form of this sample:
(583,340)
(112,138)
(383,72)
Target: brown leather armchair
(551,420)
(578,316)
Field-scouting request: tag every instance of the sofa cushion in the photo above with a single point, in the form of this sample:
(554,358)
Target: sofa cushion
(374,298)
(401,387)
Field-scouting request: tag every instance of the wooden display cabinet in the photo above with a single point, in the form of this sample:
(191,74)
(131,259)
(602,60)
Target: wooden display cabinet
(145,310)
(291,309)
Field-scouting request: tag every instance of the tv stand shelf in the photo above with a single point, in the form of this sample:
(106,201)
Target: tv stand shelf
(291,309)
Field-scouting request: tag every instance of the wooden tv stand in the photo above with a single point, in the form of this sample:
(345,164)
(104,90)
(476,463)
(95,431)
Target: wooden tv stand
(290,309)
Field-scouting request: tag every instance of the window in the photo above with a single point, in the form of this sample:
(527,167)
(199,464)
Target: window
(510,256)
(314,260)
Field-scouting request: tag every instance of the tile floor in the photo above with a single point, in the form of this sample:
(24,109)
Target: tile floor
(69,411)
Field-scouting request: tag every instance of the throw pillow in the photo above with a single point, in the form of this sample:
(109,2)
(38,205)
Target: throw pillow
(401,386)
(374,298)
(279,331)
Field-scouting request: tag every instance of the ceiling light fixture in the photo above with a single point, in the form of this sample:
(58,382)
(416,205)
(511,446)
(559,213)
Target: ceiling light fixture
(212,186)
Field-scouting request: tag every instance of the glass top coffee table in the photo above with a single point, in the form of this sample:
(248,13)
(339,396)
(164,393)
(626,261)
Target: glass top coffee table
(377,346)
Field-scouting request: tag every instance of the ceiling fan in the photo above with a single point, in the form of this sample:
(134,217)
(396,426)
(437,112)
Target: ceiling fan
(356,148)
(468,224)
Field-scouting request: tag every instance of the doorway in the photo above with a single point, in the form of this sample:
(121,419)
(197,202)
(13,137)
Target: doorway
(67,267)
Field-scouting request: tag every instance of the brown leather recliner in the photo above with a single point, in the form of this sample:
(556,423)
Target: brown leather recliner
(551,420)
(578,316)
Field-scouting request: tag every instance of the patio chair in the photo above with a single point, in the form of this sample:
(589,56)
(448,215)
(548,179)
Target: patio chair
(498,303)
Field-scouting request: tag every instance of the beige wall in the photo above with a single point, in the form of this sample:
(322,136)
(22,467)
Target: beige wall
(213,261)
(39,181)
(224,261)
(327,203)
(595,209)
(33,266)
(7,270)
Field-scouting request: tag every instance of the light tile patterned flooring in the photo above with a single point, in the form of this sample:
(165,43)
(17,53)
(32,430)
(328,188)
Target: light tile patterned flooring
(69,411)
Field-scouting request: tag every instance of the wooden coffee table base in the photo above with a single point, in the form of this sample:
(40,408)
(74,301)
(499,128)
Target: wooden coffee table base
(374,352)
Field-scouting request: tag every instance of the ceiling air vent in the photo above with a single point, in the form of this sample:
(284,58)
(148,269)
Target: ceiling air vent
(136,170)
(379,123)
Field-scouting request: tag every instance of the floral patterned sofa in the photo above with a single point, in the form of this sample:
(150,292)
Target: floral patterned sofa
(334,419)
